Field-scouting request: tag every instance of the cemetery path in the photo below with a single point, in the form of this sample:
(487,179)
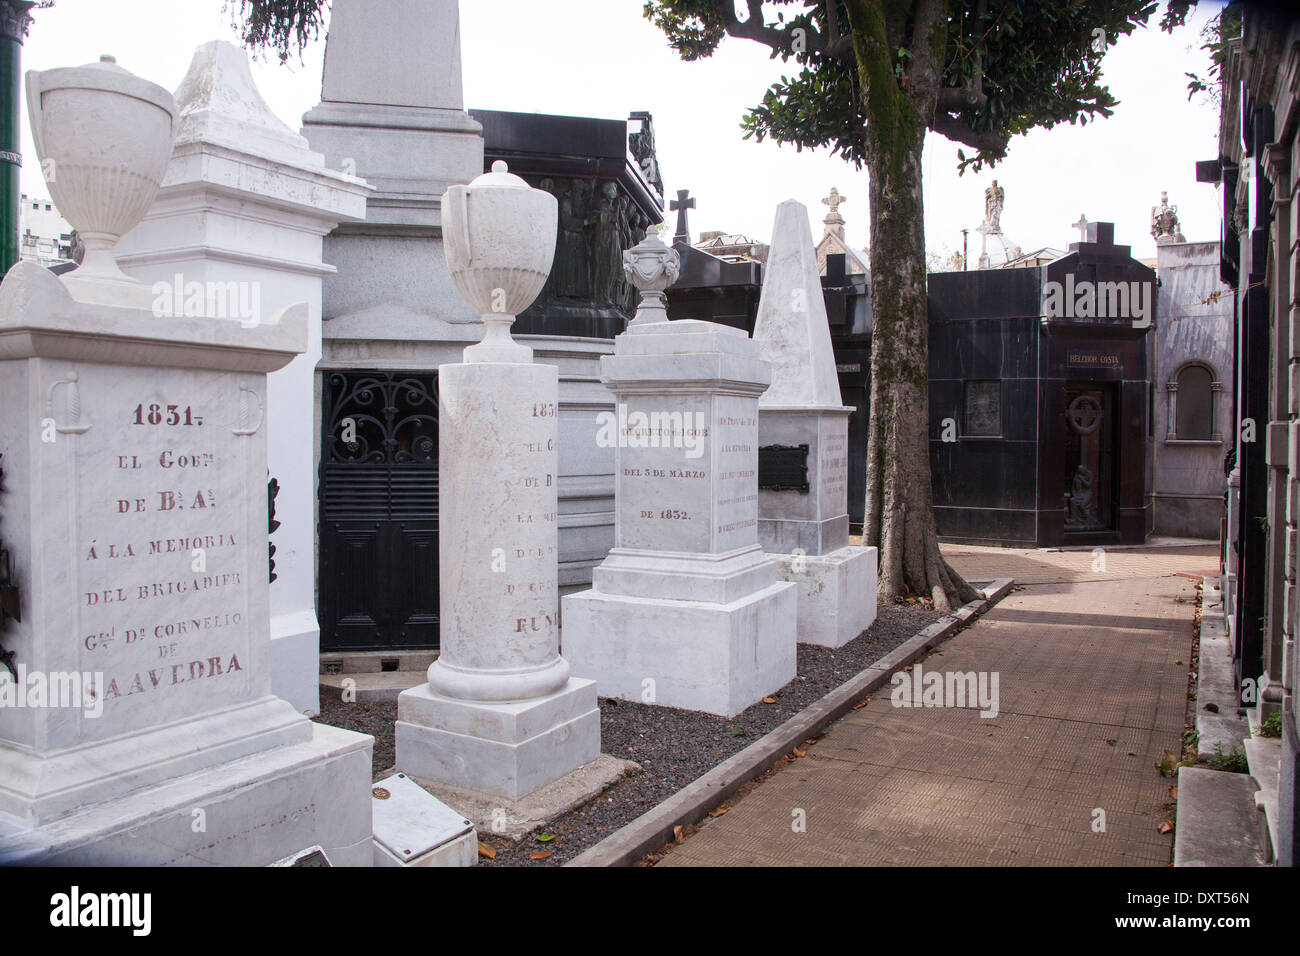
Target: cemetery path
(1092,659)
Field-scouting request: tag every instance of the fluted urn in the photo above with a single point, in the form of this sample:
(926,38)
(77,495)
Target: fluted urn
(104,138)
(651,267)
(499,238)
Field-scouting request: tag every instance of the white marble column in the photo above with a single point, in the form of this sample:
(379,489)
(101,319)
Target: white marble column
(500,714)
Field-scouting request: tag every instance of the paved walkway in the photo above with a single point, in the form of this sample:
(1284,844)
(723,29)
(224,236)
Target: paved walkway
(1092,667)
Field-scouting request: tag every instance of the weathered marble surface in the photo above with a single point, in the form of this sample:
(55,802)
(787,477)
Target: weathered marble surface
(130,447)
(686,608)
(255,810)
(240,217)
(398,53)
(103,137)
(791,328)
(403,129)
(497,533)
(816,522)
(808,532)
(500,714)
(507,749)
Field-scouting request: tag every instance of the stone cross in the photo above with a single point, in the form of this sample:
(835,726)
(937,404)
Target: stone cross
(834,200)
(834,222)
(680,205)
(1082,226)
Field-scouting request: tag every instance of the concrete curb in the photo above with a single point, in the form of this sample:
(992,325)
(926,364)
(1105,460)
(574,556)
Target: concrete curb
(654,828)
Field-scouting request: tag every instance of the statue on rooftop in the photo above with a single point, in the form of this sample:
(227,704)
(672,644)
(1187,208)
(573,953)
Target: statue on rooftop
(993,197)
(1164,222)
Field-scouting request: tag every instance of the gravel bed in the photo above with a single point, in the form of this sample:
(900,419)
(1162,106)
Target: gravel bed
(672,746)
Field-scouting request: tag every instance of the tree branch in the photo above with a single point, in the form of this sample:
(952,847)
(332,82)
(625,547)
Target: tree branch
(837,45)
(753,28)
(954,99)
(959,132)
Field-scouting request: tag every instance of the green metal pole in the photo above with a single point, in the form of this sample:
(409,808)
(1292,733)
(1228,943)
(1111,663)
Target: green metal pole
(14,18)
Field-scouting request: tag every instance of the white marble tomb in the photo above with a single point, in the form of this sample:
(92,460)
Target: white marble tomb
(807,530)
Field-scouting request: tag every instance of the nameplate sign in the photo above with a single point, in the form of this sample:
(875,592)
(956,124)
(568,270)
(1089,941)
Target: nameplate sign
(783,468)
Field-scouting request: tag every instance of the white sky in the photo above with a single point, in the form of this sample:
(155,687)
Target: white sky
(602,58)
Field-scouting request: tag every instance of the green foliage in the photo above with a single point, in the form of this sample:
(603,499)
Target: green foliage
(1234,761)
(282,26)
(1027,64)
(1271,726)
(1216,33)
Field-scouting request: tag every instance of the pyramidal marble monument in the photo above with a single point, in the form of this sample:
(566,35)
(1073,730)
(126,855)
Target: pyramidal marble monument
(803,440)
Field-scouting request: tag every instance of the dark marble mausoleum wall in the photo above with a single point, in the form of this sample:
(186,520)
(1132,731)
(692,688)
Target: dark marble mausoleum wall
(984,329)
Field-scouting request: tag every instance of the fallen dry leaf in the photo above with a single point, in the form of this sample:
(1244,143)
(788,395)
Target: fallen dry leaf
(719,811)
(541,854)
(797,752)
(1165,827)
(769,700)
(1173,794)
(679,834)
(486,851)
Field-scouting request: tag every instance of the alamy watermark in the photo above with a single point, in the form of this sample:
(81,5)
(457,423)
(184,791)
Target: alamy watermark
(58,689)
(1085,299)
(652,430)
(950,689)
(221,300)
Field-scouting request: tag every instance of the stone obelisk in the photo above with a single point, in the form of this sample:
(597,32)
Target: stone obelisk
(803,508)
(392,112)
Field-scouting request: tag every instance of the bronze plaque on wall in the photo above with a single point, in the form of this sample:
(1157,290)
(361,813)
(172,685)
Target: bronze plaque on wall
(783,468)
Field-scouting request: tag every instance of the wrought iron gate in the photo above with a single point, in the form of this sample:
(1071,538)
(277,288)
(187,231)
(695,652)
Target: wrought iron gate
(378,582)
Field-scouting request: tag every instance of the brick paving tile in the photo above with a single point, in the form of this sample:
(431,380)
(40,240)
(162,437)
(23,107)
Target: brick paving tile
(1092,654)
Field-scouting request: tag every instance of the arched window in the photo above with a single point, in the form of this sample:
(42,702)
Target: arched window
(1191,404)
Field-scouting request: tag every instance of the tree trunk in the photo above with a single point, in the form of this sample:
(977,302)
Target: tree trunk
(899,507)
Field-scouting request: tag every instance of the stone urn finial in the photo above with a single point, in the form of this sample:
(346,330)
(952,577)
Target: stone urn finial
(1164,222)
(652,267)
(104,139)
(499,236)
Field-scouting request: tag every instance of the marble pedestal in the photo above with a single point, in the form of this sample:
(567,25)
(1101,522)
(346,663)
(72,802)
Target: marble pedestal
(837,593)
(135,515)
(686,611)
(807,530)
(250,811)
(507,749)
(720,658)
(500,714)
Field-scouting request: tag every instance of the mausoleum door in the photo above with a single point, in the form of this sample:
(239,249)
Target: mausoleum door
(378,584)
(1088,494)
